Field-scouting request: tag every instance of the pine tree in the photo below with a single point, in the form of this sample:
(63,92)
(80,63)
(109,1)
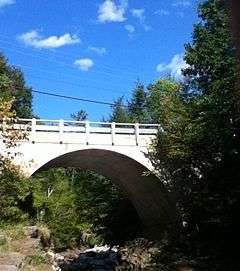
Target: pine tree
(119,112)
(137,106)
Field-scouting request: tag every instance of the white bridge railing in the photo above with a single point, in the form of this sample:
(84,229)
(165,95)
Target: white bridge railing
(62,131)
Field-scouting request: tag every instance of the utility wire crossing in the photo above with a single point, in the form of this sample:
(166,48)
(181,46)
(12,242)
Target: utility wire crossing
(74,98)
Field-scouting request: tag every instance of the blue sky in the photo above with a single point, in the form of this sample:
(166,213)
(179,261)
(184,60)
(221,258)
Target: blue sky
(93,49)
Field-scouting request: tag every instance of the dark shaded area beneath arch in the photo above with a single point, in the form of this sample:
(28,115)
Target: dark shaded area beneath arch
(146,193)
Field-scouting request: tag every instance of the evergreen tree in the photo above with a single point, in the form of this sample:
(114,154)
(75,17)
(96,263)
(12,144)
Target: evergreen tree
(80,115)
(137,107)
(119,112)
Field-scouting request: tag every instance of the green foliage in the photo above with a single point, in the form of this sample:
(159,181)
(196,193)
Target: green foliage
(15,189)
(210,58)
(198,152)
(14,232)
(4,245)
(137,106)
(211,76)
(119,113)
(167,107)
(54,202)
(3,242)
(35,260)
(80,115)
(135,111)
(15,101)
(80,207)
(12,85)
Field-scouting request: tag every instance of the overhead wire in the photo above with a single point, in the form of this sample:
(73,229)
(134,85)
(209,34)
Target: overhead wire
(92,80)
(61,75)
(71,97)
(71,56)
(62,63)
(77,85)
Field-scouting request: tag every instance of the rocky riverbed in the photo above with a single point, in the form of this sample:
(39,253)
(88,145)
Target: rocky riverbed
(101,258)
(27,253)
(23,249)
(139,254)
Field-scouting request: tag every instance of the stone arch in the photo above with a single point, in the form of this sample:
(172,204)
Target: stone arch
(146,193)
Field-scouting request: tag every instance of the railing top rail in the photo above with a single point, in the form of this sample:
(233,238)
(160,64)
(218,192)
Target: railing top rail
(92,122)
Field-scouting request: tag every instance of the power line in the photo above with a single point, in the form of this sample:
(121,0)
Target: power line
(77,85)
(67,65)
(71,97)
(74,98)
(61,75)
(123,68)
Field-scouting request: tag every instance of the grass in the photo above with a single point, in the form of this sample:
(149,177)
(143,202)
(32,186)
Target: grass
(36,260)
(13,232)
(4,245)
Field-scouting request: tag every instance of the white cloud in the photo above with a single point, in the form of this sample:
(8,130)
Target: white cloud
(162,12)
(138,13)
(33,39)
(4,3)
(175,66)
(182,3)
(84,64)
(130,28)
(97,50)
(109,11)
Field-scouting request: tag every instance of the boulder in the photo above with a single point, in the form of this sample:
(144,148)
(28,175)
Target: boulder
(32,231)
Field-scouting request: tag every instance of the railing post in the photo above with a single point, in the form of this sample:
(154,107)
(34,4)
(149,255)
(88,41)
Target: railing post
(113,132)
(137,133)
(61,127)
(87,131)
(33,130)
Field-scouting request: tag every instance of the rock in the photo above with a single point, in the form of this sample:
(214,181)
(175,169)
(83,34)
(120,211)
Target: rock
(97,262)
(50,254)
(59,257)
(45,237)
(32,231)
(8,268)
(97,258)
(102,249)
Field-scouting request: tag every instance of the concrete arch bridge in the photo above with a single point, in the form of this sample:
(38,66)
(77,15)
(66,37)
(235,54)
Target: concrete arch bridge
(118,151)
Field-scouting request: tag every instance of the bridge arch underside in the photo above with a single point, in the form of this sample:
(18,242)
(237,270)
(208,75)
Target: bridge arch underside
(145,192)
